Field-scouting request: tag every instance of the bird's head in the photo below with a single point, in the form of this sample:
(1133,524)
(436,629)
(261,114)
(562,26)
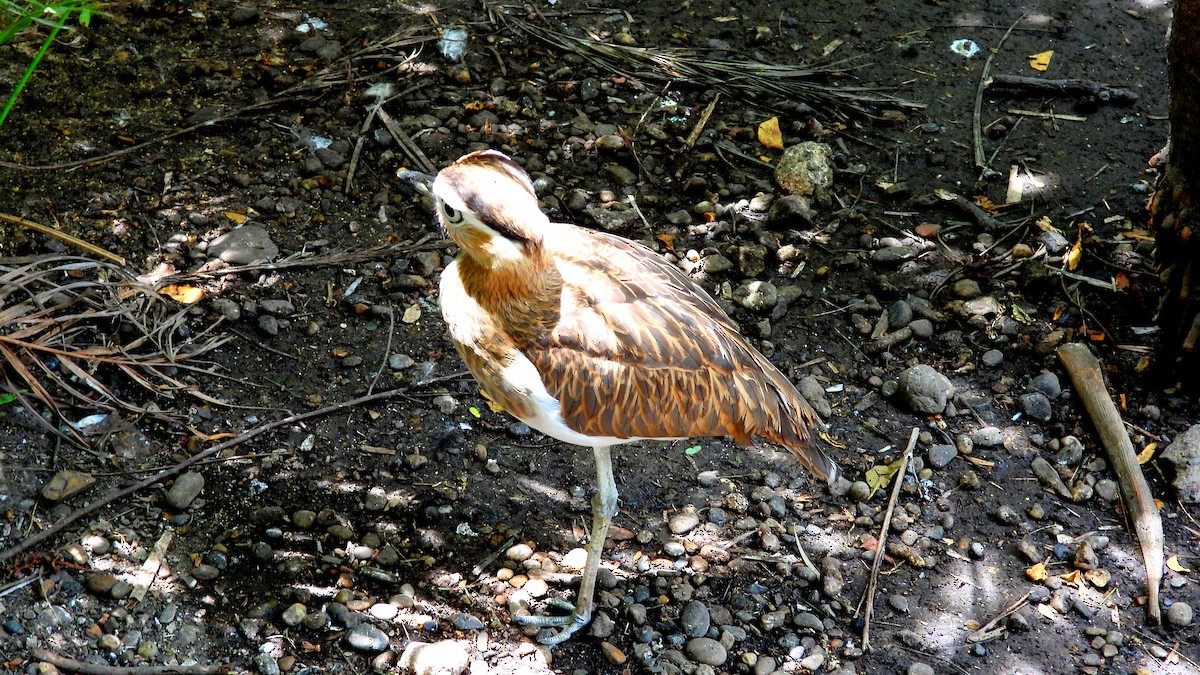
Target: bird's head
(486,203)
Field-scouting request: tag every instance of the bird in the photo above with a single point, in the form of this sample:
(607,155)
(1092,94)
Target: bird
(596,340)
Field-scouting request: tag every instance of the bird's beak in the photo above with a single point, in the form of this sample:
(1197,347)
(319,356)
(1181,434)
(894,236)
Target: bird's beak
(416,181)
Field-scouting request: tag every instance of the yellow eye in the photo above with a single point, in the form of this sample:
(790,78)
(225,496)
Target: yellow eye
(452,214)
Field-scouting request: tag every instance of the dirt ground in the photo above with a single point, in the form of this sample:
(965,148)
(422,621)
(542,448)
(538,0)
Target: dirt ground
(401,514)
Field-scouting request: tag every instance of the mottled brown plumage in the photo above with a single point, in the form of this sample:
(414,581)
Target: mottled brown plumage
(596,340)
(629,345)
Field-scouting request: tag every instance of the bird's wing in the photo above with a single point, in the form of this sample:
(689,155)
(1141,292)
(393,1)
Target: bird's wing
(640,351)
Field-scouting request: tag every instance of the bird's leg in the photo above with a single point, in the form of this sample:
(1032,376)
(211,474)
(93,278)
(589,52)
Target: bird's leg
(604,507)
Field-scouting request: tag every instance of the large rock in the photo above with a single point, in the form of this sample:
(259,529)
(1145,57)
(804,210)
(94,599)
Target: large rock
(1183,456)
(924,389)
(806,169)
(245,245)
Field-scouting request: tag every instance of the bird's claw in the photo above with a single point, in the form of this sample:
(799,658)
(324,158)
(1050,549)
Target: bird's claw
(568,624)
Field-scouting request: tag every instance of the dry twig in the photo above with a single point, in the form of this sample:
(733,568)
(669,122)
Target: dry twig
(67,321)
(190,461)
(879,546)
(74,666)
(1084,369)
(747,80)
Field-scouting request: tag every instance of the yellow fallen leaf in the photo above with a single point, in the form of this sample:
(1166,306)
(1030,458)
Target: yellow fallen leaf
(1037,572)
(1072,577)
(185,295)
(1174,565)
(880,475)
(236,217)
(1044,225)
(770,135)
(1146,453)
(1139,235)
(411,314)
(1075,255)
(1041,61)
(1098,577)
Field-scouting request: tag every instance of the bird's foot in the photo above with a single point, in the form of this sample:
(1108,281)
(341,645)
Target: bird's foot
(568,624)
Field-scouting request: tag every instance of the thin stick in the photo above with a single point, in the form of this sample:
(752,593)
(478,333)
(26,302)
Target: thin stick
(879,546)
(63,237)
(406,143)
(696,130)
(984,79)
(1085,372)
(71,665)
(194,459)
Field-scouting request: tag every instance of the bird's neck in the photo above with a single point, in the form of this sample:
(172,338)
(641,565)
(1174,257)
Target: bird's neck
(524,297)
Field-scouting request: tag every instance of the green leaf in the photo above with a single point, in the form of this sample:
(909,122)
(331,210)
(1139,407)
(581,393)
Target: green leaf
(880,475)
(475,412)
(692,451)
(7,398)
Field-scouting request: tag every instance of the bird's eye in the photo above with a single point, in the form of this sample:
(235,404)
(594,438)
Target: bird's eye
(452,214)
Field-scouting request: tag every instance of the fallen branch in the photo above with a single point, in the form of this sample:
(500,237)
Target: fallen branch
(190,461)
(992,629)
(63,237)
(879,545)
(977,110)
(1038,87)
(1084,369)
(74,666)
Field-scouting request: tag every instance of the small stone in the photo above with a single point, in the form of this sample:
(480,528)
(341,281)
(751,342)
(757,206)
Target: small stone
(185,489)
(265,664)
(448,657)
(900,314)
(941,455)
(108,642)
(890,255)
(813,662)
(1179,614)
(295,614)
(757,296)
(1107,490)
(695,620)
(1047,383)
(1007,515)
(621,175)
(304,518)
(101,584)
(859,491)
(684,521)
(1036,512)
(276,306)
(898,602)
(1037,406)
(66,484)
(206,572)
(464,621)
(992,358)
(922,328)
(808,621)
(966,289)
(612,653)
(367,639)
(707,651)
(919,668)
(987,437)
(602,626)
